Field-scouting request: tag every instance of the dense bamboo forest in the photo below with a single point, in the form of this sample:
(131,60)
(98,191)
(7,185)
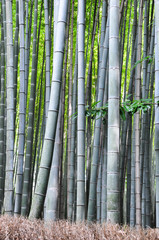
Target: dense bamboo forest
(79,110)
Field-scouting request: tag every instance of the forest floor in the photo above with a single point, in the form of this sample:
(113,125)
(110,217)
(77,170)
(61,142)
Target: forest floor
(23,229)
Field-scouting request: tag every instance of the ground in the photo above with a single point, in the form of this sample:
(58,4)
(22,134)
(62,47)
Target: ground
(20,228)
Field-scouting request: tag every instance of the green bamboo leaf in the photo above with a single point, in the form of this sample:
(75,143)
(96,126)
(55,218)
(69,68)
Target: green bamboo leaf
(94,104)
(122,113)
(149,58)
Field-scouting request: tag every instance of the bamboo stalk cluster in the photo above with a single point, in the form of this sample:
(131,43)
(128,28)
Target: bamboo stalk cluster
(65,57)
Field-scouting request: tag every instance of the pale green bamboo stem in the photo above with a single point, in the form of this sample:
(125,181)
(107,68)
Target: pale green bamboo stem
(137,121)
(103,28)
(91,53)
(147,138)
(99,184)
(104,179)
(81,115)
(143,132)
(129,172)
(8,200)
(73,136)
(15,54)
(2,107)
(156,107)
(113,211)
(94,167)
(19,174)
(44,169)
(65,75)
(69,180)
(53,184)
(89,28)
(26,53)
(132,200)
(133,58)
(128,51)
(29,140)
(47,68)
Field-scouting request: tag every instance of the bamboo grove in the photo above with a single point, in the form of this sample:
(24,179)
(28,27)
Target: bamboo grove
(79,110)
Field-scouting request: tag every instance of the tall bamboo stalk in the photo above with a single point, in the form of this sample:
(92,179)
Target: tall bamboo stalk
(70,170)
(26,52)
(53,184)
(113,212)
(15,54)
(29,140)
(8,200)
(156,107)
(47,69)
(96,143)
(44,169)
(2,115)
(81,114)
(137,121)
(19,178)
